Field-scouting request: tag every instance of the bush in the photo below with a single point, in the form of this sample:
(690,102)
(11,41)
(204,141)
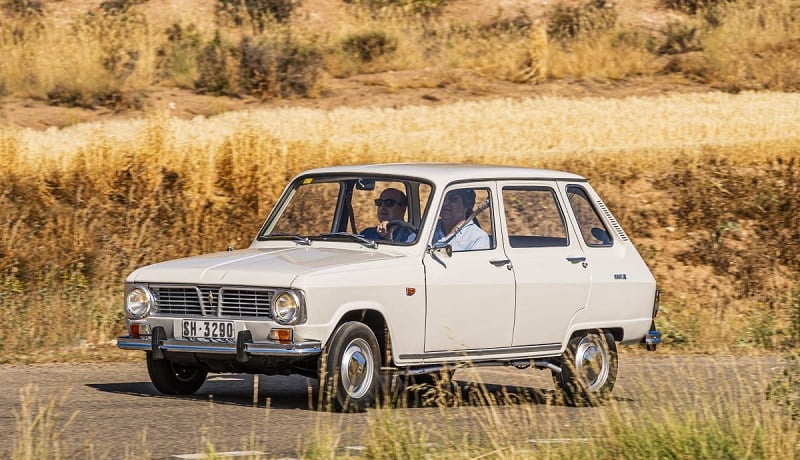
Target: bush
(691,6)
(369,45)
(215,68)
(424,8)
(177,58)
(24,8)
(565,23)
(114,7)
(299,69)
(258,12)
(679,38)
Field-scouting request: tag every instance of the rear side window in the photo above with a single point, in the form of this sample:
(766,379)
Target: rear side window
(593,230)
(533,217)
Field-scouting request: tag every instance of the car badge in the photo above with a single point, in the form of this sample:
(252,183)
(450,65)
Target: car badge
(211,298)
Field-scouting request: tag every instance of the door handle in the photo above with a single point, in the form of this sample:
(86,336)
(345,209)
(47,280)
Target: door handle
(575,260)
(500,262)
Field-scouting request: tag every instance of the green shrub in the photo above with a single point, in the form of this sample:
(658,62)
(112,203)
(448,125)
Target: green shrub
(24,8)
(256,68)
(258,13)
(299,69)
(565,23)
(679,38)
(369,45)
(215,68)
(691,6)
(177,58)
(114,7)
(424,8)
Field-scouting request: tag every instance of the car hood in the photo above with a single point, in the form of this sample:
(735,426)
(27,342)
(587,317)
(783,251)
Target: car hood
(252,267)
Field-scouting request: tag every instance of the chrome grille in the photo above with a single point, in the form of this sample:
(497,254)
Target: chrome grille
(237,302)
(216,301)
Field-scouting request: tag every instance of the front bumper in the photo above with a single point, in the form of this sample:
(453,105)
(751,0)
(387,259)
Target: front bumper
(268,348)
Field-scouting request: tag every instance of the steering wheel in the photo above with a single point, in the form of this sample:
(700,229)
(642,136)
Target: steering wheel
(402,223)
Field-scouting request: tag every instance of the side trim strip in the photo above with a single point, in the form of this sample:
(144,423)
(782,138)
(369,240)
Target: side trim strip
(484,352)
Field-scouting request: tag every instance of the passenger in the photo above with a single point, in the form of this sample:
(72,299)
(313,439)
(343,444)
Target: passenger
(390,206)
(452,227)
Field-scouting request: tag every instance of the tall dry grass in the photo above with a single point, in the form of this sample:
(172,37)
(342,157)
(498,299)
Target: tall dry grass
(706,184)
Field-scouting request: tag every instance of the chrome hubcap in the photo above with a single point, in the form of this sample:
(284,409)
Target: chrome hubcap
(357,368)
(592,363)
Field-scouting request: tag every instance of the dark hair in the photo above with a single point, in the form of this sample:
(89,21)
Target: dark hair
(467,197)
(403,198)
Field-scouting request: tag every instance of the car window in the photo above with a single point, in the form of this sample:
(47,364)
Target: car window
(352,204)
(465,220)
(310,210)
(592,228)
(533,217)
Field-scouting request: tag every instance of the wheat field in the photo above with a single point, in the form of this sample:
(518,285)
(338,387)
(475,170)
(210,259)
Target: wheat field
(85,205)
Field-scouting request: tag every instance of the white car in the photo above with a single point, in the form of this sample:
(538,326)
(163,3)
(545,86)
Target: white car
(409,269)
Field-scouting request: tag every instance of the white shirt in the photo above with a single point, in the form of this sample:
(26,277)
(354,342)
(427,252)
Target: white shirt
(470,237)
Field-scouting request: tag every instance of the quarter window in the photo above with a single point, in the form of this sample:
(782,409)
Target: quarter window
(533,217)
(593,230)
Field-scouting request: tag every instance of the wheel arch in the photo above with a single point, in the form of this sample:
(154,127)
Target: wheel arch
(617,332)
(374,320)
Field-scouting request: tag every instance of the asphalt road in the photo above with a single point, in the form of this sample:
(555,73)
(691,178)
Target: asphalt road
(117,412)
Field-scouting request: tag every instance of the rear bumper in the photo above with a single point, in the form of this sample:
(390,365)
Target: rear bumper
(301,349)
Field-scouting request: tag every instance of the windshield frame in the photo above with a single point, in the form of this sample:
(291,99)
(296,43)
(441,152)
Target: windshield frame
(343,178)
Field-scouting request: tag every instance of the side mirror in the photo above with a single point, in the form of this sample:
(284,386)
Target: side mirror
(442,249)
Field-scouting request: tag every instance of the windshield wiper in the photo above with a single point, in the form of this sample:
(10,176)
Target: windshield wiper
(283,235)
(365,241)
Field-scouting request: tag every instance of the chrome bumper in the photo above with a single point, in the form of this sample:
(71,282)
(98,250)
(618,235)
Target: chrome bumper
(253,348)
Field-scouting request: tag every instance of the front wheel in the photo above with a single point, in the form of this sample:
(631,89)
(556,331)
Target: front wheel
(174,379)
(349,372)
(588,370)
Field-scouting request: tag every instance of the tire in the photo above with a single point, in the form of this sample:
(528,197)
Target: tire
(588,370)
(350,368)
(174,379)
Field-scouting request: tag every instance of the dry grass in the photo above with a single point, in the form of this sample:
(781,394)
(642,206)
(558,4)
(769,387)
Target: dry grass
(97,58)
(705,184)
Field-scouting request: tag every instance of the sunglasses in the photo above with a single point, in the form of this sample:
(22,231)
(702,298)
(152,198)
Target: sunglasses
(389,202)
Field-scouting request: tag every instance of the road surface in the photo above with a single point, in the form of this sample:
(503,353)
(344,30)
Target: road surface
(117,412)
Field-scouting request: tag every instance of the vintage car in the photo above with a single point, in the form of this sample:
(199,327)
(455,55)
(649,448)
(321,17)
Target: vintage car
(366,271)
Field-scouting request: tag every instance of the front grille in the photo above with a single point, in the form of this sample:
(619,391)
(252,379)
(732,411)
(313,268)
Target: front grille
(216,301)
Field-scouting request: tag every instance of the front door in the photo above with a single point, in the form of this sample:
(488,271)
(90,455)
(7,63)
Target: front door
(470,295)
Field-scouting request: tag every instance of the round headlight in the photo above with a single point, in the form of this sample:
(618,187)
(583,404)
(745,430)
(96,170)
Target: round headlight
(138,302)
(285,307)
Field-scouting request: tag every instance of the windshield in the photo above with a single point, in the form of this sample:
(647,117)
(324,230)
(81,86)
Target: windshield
(384,210)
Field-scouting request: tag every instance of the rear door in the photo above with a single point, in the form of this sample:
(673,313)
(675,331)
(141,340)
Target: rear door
(551,271)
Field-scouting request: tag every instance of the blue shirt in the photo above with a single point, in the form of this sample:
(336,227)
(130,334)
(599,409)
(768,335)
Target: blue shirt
(399,234)
(469,238)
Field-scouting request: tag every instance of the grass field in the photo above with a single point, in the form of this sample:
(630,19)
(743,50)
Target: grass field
(706,184)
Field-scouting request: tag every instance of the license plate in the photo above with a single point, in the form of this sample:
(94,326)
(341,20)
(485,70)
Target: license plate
(208,330)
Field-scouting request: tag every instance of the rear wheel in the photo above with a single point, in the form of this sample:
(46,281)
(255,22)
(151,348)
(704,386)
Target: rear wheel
(588,370)
(174,379)
(350,376)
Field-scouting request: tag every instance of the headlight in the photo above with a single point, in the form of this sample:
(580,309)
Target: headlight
(287,307)
(138,301)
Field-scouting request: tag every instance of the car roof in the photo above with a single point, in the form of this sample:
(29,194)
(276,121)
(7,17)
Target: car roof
(448,172)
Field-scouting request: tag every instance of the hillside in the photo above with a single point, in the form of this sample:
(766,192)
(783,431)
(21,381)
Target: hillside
(73,61)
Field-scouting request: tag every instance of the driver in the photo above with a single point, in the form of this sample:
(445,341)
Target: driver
(390,206)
